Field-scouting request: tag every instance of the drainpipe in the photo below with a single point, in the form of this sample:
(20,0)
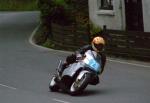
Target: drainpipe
(121,13)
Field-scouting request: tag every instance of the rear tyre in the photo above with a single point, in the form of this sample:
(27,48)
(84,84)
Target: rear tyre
(53,86)
(79,85)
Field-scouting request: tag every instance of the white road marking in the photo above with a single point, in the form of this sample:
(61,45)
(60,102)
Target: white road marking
(61,101)
(140,65)
(8,86)
(32,42)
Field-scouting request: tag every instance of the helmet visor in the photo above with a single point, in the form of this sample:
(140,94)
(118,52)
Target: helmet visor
(99,46)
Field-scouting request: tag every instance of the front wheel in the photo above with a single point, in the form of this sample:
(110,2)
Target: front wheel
(80,83)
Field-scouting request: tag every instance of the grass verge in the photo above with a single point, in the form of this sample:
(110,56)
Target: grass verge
(18,5)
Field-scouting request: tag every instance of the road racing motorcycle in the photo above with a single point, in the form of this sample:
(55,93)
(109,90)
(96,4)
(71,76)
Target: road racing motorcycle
(75,78)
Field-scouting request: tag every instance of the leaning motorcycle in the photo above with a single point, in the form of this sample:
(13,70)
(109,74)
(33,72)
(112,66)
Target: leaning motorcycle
(78,75)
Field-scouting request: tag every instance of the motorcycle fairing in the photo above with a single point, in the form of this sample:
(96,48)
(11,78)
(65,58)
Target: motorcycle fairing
(91,61)
(72,69)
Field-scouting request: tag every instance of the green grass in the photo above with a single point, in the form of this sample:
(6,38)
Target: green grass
(18,5)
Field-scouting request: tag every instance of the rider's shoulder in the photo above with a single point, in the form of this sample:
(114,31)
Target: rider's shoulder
(87,47)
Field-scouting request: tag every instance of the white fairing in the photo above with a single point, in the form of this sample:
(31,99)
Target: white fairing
(52,83)
(91,61)
(72,69)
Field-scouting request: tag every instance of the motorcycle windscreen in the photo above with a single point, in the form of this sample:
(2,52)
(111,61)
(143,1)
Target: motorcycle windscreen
(93,64)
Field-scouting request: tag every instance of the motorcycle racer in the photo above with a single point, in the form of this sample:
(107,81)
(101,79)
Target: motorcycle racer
(97,44)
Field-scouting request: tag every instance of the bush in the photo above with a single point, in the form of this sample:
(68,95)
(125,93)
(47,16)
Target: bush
(55,10)
(94,29)
(45,7)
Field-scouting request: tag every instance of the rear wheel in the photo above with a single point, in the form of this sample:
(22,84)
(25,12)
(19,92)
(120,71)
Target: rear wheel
(80,84)
(53,86)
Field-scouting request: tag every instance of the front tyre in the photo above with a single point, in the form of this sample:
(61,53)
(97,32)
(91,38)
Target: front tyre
(80,83)
(53,86)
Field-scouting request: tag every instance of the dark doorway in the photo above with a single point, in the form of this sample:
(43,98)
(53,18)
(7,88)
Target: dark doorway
(134,15)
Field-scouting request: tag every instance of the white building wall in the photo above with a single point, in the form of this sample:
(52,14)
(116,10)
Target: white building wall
(116,19)
(112,19)
(146,15)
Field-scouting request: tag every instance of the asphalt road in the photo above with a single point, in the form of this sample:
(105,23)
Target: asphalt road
(25,69)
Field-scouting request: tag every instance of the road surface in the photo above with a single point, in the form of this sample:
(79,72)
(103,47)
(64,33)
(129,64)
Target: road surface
(25,70)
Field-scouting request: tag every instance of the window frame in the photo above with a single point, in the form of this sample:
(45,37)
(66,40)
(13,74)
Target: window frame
(105,10)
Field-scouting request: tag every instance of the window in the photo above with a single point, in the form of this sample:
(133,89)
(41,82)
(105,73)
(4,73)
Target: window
(105,7)
(105,4)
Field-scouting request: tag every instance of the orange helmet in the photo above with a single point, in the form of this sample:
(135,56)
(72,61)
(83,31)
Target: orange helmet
(98,43)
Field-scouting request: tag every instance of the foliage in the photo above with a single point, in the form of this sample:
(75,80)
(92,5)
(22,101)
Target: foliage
(45,7)
(60,3)
(94,29)
(63,13)
(49,44)
(40,36)
(55,10)
(18,5)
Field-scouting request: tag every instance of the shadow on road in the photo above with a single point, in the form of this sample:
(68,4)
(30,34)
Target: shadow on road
(89,92)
